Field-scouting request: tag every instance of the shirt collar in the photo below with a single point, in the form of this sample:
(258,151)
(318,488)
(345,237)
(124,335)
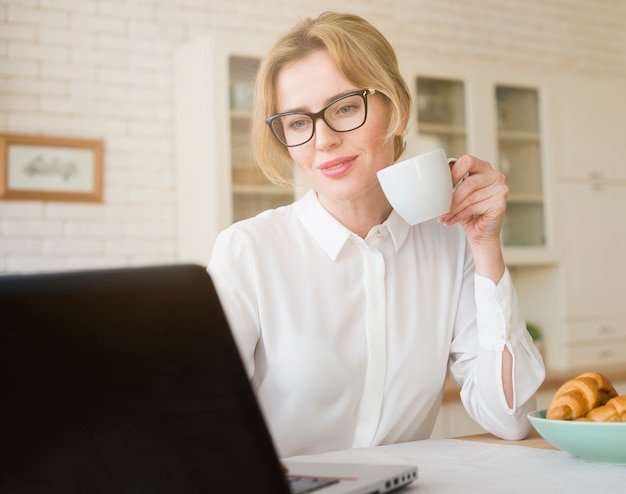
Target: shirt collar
(398,228)
(326,230)
(331,235)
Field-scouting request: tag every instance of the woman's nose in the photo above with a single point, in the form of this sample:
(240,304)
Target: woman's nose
(325,137)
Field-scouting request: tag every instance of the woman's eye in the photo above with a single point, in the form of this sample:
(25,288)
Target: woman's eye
(298,124)
(346,110)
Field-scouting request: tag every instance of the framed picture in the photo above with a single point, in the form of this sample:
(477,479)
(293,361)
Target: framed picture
(40,168)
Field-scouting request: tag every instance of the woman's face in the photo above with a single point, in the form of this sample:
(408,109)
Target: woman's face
(339,166)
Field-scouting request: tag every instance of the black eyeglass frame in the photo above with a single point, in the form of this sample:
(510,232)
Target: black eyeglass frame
(320,115)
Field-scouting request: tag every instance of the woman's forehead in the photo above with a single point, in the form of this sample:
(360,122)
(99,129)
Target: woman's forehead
(310,83)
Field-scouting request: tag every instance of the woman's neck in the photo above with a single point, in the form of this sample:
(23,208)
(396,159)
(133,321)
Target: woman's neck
(361,214)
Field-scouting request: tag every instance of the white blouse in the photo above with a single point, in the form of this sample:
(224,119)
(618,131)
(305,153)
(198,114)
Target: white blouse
(347,341)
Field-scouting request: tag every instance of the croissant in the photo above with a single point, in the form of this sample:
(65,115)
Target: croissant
(576,397)
(613,411)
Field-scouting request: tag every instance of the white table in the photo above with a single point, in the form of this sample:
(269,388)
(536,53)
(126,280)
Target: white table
(485,465)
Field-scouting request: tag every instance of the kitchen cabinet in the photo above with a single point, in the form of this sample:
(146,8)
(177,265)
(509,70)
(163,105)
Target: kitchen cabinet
(251,190)
(560,141)
(592,198)
(591,129)
(453,421)
(460,108)
(465,110)
(218,182)
(520,159)
(580,302)
(594,224)
(441,119)
(593,272)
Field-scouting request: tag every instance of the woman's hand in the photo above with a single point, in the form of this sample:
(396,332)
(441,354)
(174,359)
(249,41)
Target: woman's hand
(478,205)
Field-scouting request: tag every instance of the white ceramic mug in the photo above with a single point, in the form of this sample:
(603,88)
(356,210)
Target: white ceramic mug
(420,188)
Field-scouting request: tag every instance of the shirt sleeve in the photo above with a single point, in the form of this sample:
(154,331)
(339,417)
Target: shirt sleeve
(498,323)
(232,270)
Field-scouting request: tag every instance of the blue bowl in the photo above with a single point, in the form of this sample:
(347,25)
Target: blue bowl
(598,442)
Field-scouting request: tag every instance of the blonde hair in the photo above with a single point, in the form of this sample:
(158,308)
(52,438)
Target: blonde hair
(361,53)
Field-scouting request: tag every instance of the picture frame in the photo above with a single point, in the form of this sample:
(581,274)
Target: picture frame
(43,168)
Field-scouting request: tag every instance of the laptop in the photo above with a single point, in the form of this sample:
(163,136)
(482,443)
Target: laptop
(128,380)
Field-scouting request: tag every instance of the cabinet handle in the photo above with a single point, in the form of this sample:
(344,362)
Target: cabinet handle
(596,186)
(596,180)
(604,330)
(604,354)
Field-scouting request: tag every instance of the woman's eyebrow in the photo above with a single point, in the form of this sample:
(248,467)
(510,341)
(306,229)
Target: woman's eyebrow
(326,102)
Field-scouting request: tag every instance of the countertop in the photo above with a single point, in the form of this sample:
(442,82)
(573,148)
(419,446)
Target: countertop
(484,465)
(553,379)
(532,440)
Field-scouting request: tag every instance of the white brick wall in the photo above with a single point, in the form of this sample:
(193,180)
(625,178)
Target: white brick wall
(103,69)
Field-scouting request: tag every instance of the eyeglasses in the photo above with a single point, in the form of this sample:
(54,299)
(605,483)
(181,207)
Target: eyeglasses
(346,113)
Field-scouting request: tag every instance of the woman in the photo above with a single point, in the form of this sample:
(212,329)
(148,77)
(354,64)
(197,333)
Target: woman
(346,317)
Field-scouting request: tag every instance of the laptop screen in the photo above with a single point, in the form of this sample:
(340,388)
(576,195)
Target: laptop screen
(126,380)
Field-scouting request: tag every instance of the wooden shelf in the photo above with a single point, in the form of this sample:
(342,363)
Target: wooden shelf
(262,189)
(441,129)
(240,114)
(529,255)
(518,136)
(524,199)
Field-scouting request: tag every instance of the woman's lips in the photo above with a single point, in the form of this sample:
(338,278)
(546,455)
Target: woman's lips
(337,166)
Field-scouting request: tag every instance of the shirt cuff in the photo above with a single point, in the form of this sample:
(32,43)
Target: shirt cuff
(493,310)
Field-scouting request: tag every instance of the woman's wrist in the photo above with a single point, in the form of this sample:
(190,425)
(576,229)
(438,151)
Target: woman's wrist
(489,260)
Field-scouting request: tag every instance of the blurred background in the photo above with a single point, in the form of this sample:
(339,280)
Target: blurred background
(536,87)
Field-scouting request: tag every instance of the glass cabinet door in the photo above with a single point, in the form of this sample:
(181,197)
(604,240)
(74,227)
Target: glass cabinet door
(252,192)
(519,152)
(441,116)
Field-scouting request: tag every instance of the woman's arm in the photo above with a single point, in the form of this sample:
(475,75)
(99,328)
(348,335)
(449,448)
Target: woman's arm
(491,339)
(479,204)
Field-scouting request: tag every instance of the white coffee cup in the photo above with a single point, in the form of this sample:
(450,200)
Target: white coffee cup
(420,188)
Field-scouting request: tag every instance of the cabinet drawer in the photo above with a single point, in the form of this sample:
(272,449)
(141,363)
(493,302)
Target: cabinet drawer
(598,355)
(597,330)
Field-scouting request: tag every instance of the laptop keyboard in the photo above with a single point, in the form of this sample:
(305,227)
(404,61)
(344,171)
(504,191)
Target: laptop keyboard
(300,485)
